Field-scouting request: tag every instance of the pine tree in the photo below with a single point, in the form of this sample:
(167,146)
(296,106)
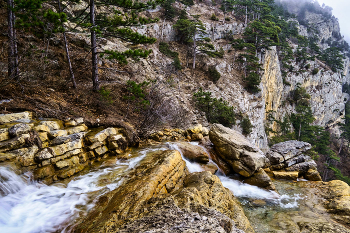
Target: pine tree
(32,17)
(192,32)
(117,26)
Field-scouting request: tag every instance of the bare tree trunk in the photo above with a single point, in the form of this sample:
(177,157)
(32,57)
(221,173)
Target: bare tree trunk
(246,16)
(163,30)
(67,49)
(299,131)
(12,49)
(194,51)
(16,48)
(341,145)
(96,84)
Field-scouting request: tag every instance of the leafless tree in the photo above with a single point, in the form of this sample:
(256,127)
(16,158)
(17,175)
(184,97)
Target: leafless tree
(96,85)
(67,49)
(13,71)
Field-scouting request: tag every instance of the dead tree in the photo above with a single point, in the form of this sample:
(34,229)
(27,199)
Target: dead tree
(12,48)
(96,85)
(67,50)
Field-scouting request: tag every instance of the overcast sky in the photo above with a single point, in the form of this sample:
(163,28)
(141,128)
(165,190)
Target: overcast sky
(341,10)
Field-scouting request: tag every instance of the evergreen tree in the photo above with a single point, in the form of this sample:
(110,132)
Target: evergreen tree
(192,32)
(117,25)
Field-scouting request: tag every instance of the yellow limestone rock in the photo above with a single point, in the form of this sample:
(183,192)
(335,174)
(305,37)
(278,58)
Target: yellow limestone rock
(8,118)
(161,173)
(286,175)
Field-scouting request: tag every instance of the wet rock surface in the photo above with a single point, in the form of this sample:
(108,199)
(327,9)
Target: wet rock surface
(193,152)
(165,198)
(309,212)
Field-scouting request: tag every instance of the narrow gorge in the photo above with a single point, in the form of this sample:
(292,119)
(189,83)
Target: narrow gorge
(173,116)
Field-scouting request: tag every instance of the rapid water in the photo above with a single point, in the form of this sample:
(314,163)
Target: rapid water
(28,206)
(242,190)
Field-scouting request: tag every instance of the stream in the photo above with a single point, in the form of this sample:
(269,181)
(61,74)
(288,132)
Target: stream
(28,206)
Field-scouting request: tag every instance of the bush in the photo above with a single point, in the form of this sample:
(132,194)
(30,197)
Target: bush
(246,126)
(227,19)
(177,63)
(214,17)
(213,74)
(307,66)
(137,93)
(105,95)
(315,71)
(216,110)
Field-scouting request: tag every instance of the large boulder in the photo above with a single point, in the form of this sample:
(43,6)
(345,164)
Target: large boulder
(261,179)
(284,151)
(160,196)
(160,173)
(193,152)
(237,150)
(289,156)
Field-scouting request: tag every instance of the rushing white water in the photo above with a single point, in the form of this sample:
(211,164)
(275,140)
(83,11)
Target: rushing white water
(243,190)
(28,206)
(191,166)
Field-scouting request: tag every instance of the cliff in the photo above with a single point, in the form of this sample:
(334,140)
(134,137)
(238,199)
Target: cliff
(176,87)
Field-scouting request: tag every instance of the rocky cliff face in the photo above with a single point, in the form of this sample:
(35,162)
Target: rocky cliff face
(325,88)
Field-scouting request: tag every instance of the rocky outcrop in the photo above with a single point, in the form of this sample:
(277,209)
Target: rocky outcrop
(193,152)
(55,149)
(244,158)
(166,216)
(165,198)
(337,194)
(290,156)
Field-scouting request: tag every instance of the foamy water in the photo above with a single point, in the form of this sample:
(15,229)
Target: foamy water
(191,166)
(28,206)
(243,190)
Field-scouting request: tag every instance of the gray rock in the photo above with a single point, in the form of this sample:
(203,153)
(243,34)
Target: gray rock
(14,143)
(299,159)
(19,129)
(65,139)
(44,154)
(236,150)
(53,125)
(274,157)
(57,133)
(26,155)
(167,217)
(303,167)
(290,149)
(261,179)
(193,152)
